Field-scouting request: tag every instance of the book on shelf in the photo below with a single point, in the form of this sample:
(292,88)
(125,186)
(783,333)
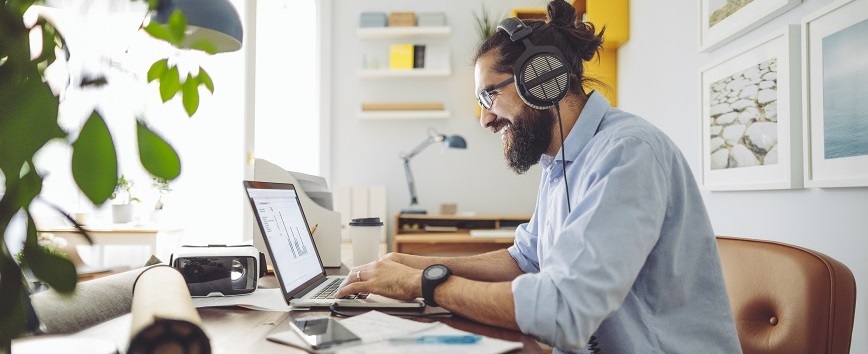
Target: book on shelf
(373,19)
(437,57)
(431,228)
(418,56)
(431,19)
(401,56)
(503,232)
(402,19)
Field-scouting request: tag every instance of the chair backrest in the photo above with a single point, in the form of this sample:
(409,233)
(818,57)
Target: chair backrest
(787,299)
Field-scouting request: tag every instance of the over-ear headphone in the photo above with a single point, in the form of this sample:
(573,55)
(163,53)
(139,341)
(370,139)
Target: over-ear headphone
(542,75)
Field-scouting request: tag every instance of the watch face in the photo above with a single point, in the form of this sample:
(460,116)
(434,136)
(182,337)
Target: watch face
(435,272)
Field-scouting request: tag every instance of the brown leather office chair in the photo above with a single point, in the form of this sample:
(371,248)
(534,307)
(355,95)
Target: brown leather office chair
(787,299)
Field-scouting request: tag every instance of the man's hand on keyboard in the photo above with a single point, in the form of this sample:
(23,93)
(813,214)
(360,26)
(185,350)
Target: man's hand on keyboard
(383,277)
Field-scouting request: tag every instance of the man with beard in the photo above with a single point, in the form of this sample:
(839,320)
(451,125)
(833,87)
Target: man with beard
(619,255)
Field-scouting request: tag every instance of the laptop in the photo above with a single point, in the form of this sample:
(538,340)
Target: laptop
(297,265)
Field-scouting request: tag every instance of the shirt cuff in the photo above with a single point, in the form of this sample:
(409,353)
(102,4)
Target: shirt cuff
(533,317)
(522,261)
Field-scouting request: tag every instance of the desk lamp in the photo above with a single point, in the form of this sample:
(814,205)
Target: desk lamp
(215,21)
(452,141)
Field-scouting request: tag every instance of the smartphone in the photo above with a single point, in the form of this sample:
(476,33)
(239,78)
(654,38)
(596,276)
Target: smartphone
(322,332)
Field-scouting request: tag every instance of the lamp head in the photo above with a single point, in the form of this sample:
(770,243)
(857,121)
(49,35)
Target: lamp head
(215,21)
(455,142)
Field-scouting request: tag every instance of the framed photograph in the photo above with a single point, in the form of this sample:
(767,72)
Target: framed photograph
(751,109)
(835,53)
(722,20)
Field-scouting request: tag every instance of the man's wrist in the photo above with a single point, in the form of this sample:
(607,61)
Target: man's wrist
(416,285)
(418,262)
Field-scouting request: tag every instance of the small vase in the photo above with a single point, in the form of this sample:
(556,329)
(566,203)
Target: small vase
(122,213)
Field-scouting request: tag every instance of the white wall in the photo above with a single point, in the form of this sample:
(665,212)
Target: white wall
(287,135)
(658,80)
(366,151)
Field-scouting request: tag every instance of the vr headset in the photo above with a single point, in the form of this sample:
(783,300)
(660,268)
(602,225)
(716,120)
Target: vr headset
(219,270)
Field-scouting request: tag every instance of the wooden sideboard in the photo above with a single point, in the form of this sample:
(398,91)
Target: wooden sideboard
(451,235)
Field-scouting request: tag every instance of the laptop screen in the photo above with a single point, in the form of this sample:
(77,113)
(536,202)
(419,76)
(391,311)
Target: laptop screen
(286,234)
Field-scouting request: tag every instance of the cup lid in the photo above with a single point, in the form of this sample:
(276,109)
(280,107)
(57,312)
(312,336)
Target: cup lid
(366,222)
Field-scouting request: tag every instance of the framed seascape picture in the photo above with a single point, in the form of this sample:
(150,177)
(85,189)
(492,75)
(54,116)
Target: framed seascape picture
(750,109)
(835,52)
(722,20)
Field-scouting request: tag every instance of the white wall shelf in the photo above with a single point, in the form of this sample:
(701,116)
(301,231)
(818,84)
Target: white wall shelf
(408,73)
(401,115)
(403,32)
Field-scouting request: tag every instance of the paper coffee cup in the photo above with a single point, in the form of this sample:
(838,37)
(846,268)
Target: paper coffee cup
(365,235)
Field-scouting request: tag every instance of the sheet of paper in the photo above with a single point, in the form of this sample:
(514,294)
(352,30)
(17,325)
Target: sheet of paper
(485,346)
(261,300)
(374,326)
(371,327)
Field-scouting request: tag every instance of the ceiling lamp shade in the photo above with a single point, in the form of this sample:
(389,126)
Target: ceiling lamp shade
(215,21)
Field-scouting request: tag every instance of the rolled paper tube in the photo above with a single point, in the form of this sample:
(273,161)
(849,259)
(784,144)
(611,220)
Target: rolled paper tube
(163,317)
(92,302)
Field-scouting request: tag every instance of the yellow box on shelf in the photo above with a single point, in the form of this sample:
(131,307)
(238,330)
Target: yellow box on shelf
(401,56)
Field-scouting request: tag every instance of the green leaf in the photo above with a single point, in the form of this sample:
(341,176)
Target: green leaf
(157,156)
(152,4)
(204,46)
(190,95)
(29,187)
(159,31)
(28,120)
(158,69)
(11,300)
(94,161)
(170,83)
(20,5)
(177,25)
(54,269)
(10,282)
(205,79)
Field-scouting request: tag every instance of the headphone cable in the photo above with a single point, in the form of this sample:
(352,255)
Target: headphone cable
(563,157)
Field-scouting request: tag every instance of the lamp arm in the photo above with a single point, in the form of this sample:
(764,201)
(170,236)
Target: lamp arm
(424,144)
(411,183)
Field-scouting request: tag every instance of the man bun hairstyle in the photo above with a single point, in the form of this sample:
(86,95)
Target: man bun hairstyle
(578,41)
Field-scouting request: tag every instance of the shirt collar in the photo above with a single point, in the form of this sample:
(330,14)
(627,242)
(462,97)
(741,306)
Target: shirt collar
(585,128)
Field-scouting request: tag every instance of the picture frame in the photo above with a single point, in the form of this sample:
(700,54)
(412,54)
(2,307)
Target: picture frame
(834,48)
(751,116)
(720,21)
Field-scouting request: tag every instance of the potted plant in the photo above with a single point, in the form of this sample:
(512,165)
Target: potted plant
(485,24)
(29,105)
(162,187)
(123,212)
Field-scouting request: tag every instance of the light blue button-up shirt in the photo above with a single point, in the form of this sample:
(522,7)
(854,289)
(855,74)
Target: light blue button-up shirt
(635,263)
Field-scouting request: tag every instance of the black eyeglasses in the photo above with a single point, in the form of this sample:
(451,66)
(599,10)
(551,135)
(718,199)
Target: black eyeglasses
(486,96)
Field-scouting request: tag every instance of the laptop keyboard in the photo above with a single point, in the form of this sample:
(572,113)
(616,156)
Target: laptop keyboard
(329,291)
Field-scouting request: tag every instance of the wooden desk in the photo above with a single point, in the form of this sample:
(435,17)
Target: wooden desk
(238,330)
